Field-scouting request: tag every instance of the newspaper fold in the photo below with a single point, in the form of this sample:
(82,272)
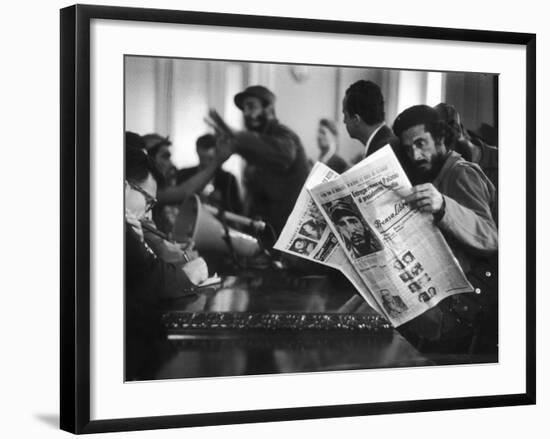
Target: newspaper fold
(359,223)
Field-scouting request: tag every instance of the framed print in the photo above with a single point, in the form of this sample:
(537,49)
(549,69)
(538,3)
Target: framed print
(222,236)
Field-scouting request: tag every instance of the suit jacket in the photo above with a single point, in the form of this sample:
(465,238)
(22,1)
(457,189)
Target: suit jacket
(382,137)
(386,136)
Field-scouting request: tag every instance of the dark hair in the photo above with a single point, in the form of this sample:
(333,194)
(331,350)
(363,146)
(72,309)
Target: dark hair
(329,125)
(449,114)
(430,118)
(365,99)
(134,140)
(139,164)
(154,142)
(207,141)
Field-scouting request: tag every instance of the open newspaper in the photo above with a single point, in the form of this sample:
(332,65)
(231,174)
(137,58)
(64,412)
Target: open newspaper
(306,234)
(395,256)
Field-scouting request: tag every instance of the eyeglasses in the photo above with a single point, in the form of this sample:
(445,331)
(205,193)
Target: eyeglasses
(149,199)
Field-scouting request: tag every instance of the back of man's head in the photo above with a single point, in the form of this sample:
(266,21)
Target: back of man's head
(134,140)
(206,141)
(365,99)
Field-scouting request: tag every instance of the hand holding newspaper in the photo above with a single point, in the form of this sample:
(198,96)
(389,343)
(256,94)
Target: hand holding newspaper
(359,223)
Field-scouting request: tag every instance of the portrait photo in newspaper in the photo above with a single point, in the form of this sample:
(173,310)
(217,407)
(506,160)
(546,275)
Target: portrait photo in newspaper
(359,239)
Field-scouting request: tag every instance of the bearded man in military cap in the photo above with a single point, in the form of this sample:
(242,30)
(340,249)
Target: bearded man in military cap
(358,237)
(277,165)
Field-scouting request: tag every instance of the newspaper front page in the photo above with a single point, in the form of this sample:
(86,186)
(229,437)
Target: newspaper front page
(306,234)
(398,252)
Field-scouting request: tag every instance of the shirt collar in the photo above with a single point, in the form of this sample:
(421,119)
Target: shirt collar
(367,145)
(326,157)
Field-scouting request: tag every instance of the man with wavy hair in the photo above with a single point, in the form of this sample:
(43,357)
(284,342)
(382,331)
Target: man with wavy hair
(460,199)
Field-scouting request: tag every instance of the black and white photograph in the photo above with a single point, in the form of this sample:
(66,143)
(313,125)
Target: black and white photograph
(216,152)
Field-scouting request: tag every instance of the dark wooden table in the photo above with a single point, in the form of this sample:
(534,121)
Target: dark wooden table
(269,321)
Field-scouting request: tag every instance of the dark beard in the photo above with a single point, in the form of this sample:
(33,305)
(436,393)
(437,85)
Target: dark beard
(428,176)
(262,119)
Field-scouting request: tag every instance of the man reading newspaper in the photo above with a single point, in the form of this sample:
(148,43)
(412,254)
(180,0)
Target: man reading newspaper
(397,257)
(461,199)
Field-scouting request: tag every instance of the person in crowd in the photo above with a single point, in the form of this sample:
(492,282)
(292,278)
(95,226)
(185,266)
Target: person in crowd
(179,191)
(327,141)
(276,161)
(472,148)
(158,148)
(164,215)
(222,191)
(460,198)
(148,279)
(364,117)
(359,239)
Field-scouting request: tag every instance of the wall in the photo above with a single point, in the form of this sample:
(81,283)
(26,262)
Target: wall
(473,95)
(301,105)
(141,75)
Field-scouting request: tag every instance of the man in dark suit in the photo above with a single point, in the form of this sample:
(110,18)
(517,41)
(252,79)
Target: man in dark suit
(364,116)
(363,109)
(222,191)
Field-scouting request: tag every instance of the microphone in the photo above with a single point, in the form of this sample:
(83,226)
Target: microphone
(241,220)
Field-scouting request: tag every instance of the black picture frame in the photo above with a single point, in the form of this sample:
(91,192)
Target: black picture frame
(75,217)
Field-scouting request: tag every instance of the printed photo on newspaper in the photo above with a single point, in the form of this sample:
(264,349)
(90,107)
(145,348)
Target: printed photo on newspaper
(397,251)
(394,255)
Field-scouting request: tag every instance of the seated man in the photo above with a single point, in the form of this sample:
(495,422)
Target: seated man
(222,191)
(471,148)
(461,198)
(164,215)
(148,279)
(158,148)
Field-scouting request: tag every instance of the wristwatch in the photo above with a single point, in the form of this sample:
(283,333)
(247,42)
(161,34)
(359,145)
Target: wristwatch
(438,216)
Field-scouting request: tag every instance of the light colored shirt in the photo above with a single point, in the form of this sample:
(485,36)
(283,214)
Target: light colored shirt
(367,145)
